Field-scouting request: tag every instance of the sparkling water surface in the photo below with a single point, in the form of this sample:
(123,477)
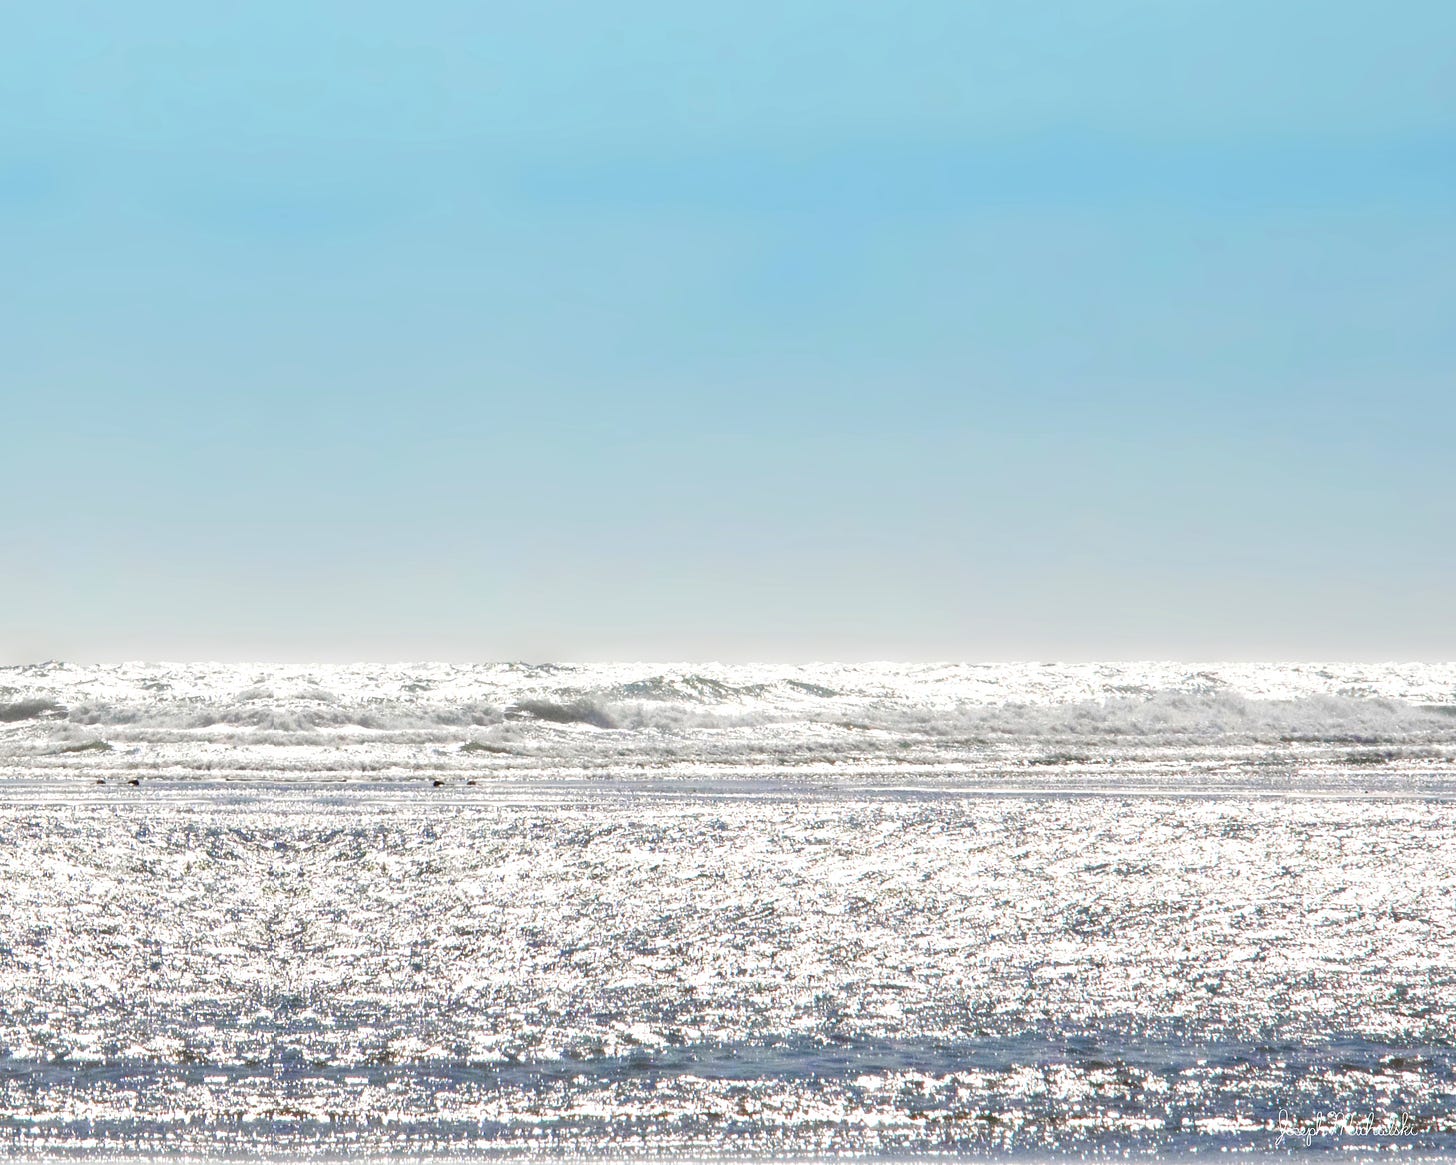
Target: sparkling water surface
(1011,921)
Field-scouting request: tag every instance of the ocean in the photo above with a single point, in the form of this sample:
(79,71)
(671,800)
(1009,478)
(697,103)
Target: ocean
(613,911)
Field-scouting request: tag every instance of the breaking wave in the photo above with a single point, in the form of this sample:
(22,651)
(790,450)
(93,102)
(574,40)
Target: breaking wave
(1179,715)
(543,718)
(283,716)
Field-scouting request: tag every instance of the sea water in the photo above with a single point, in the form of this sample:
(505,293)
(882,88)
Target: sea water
(1013,911)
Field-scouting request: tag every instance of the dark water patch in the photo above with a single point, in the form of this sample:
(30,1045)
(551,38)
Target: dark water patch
(811,689)
(1385,756)
(1095,1092)
(574,712)
(29,710)
(813,1058)
(694,688)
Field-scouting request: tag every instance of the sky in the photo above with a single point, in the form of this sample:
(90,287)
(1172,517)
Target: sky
(786,331)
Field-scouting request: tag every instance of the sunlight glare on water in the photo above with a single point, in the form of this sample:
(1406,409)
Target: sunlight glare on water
(874,913)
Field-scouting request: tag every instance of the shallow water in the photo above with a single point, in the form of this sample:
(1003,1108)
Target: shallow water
(581,954)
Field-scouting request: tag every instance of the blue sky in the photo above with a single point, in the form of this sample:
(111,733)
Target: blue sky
(796,330)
